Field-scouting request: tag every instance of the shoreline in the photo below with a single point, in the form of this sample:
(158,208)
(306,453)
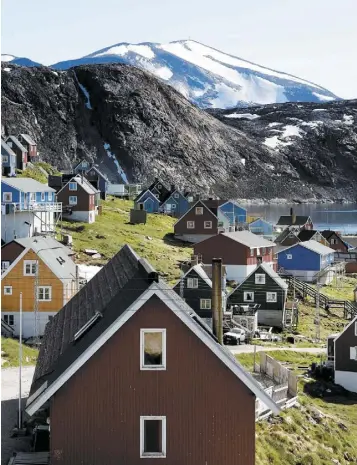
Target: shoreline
(277,201)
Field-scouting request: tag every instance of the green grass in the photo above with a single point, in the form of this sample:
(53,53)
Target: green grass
(341,289)
(153,241)
(10,353)
(35,173)
(314,432)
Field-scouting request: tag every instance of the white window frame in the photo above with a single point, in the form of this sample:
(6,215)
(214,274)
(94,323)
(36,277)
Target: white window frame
(73,186)
(49,195)
(7,320)
(289,256)
(252,252)
(258,252)
(31,263)
(176,195)
(333,241)
(207,225)
(5,159)
(264,251)
(159,186)
(353,353)
(7,196)
(199,210)
(5,265)
(245,296)
(44,288)
(152,455)
(71,201)
(257,278)
(43,197)
(173,206)
(144,367)
(271,299)
(190,225)
(192,283)
(205,304)
(356,328)
(7,290)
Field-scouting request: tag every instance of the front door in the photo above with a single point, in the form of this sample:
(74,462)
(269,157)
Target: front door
(149,206)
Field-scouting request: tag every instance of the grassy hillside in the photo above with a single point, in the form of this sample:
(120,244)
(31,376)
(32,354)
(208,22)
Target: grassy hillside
(321,429)
(10,353)
(341,289)
(39,172)
(153,241)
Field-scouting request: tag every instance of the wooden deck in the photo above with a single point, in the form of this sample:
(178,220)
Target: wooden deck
(30,458)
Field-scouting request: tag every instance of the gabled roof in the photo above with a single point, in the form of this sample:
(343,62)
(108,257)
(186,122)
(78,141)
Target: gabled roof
(83,182)
(354,320)
(16,141)
(269,271)
(54,254)
(194,206)
(248,239)
(96,168)
(287,220)
(312,245)
(28,139)
(27,185)
(260,219)
(201,273)
(162,193)
(306,234)
(6,150)
(60,364)
(282,236)
(234,202)
(327,233)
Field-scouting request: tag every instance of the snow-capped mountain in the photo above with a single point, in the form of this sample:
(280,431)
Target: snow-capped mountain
(208,77)
(22,61)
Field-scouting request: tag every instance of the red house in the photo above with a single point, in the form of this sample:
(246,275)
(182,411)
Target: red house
(128,371)
(30,145)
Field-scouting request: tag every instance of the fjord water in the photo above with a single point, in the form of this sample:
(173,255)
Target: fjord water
(336,216)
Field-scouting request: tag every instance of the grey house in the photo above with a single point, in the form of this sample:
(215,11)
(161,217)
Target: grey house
(264,287)
(8,160)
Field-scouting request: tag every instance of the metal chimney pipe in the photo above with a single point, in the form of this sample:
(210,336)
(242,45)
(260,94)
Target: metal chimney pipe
(217,315)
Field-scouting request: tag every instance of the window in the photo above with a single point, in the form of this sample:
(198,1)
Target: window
(248,296)
(173,206)
(5,159)
(353,353)
(45,293)
(264,250)
(207,225)
(260,279)
(176,195)
(356,328)
(205,304)
(29,267)
(252,252)
(9,143)
(50,196)
(199,210)
(192,283)
(272,297)
(7,196)
(9,319)
(190,225)
(258,251)
(42,196)
(32,196)
(5,265)
(289,256)
(7,290)
(72,200)
(333,241)
(153,437)
(159,186)
(72,186)
(153,349)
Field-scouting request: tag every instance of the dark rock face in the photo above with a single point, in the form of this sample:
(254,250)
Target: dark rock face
(119,115)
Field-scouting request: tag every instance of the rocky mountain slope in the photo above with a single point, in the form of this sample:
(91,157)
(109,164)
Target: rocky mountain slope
(205,76)
(137,127)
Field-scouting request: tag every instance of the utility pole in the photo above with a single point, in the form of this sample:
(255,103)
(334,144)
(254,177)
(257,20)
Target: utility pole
(182,284)
(20,363)
(36,315)
(217,312)
(317,313)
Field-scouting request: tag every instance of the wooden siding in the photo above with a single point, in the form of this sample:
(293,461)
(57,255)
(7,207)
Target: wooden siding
(11,251)
(230,251)
(25,284)
(181,226)
(210,416)
(347,339)
(85,201)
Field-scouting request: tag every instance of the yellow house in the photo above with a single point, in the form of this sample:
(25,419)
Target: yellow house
(41,269)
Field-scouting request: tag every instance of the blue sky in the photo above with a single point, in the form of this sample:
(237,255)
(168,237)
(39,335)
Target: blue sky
(312,39)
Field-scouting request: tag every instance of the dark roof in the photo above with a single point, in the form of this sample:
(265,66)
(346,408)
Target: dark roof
(282,236)
(288,220)
(111,291)
(6,150)
(96,168)
(306,234)
(164,195)
(16,141)
(327,233)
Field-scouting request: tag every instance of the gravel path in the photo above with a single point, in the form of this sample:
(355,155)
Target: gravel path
(249,348)
(9,408)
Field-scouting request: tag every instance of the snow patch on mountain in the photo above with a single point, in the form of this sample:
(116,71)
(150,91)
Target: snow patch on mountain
(117,164)
(143,50)
(323,98)
(6,58)
(242,116)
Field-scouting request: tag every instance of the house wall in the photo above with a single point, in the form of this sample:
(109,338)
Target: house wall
(302,259)
(15,193)
(235,213)
(150,206)
(95,416)
(28,322)
(14,225)
(85,201)
(346,379)
(9,252)
(340,246)
(343,343)
(180,227)
(261,227)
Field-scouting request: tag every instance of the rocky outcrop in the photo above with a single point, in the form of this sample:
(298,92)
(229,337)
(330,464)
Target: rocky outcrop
(128,121)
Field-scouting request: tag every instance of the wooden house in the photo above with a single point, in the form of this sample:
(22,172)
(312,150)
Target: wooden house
(295,222)
(287,238)
(335,241)
(21,260)
(79,199)
(312,234)
(241,252)
(8,160)
(81,167)
(307,261)
(176,203)
(30,145)
(28,208)
(261,227)
(345,357)
(152,197)
(20,151)
(263,287)
(137,375)
(200,222)
(237,214)
(98,180)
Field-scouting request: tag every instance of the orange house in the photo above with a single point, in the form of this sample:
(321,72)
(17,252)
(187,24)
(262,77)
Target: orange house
(41,269)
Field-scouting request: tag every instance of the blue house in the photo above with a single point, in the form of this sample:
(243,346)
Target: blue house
(147,201)
(261,227)
(8,160)
(81,167)
(308,261)
(234,212)
(176,204)
(28,207)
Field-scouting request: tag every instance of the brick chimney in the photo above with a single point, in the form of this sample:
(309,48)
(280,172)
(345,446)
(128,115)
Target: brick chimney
(293,216)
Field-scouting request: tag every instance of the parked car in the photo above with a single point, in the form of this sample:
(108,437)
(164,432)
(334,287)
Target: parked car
(234,336)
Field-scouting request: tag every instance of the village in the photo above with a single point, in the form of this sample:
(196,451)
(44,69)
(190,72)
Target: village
(249,326)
